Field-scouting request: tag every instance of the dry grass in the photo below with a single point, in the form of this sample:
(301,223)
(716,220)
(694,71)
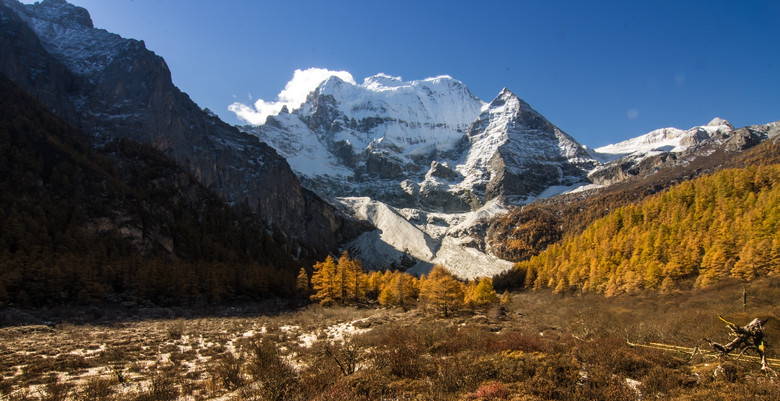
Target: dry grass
(543,346)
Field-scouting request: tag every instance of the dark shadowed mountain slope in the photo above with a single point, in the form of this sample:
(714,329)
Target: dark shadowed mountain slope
(124,223)
(110,87)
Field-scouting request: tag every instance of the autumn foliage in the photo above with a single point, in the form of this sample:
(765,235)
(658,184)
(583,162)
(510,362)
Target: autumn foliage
(695,234)
(342,282)
(345,282)
(441,291)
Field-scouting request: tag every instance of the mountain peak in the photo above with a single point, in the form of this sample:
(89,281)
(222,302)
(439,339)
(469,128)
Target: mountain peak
(62,13)
(503,97)
(381,82)
(331,84)
(66,32)
(509,101)
(717,121)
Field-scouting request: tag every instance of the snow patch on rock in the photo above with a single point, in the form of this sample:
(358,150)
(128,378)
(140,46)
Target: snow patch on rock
(413,240)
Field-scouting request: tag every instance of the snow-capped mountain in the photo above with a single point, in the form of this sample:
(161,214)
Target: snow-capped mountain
(426,162)
(666,140)
(429,144)
(514,153)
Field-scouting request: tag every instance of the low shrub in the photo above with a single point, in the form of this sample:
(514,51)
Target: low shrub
(227,370)
(162,387)
(276,377)
(97,389)
(490,391)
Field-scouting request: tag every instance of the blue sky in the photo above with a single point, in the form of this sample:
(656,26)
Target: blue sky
(602,71)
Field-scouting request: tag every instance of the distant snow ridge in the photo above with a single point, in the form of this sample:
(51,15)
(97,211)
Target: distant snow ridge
(665,140)
(670,147)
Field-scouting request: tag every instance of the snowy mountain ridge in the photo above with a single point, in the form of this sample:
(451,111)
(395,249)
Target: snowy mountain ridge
(428,163)
(666,139)
(429,144)
(669,147)
(383,115)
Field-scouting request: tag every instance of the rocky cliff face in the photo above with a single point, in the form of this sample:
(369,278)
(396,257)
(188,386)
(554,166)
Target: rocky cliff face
(112,87)
(119,223)
(27,63)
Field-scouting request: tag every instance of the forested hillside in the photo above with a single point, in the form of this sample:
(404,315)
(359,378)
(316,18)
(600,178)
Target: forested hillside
(696,233)
(526,231)
(124,224)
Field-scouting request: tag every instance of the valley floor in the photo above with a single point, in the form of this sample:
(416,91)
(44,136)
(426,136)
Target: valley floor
(540,346)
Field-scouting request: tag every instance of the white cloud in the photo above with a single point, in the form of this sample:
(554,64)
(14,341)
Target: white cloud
(292,96)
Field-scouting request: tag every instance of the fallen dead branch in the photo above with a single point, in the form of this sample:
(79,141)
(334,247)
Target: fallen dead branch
(692,351)
(748,337)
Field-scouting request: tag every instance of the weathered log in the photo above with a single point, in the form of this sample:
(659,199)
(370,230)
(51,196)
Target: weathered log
(750,336)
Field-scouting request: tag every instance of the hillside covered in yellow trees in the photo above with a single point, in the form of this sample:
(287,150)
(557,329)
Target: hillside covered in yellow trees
(694,234)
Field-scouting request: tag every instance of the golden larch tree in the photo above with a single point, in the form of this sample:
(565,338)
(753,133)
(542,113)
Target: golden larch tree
(398,290)
(323,282)
(441,291)
(481,294)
